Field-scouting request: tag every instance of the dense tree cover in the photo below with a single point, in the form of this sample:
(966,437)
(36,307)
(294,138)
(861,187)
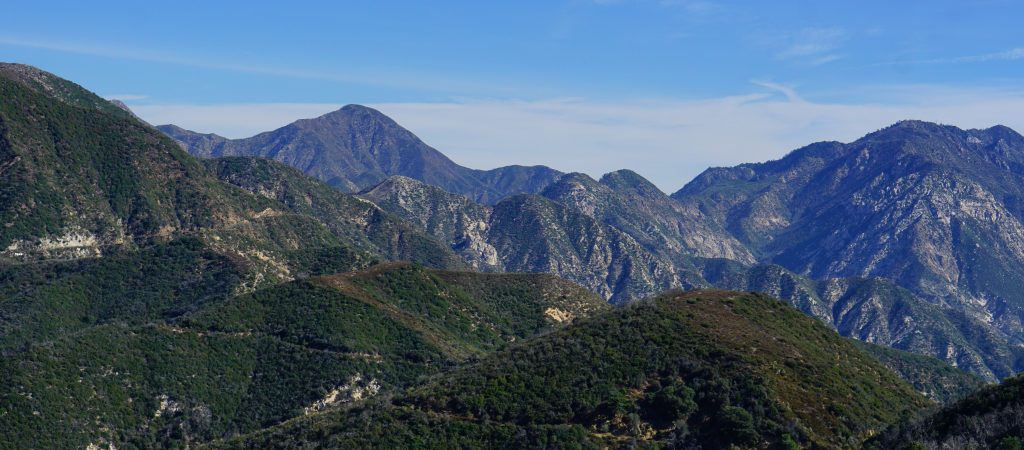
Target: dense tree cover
(518,305)
(107,384)
(990,418)
(47,300)
(711,369)
(929,376)
(140,351)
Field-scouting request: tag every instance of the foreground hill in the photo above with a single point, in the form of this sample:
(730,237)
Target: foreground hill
(990,418)
(357,147)
(231,365)
(709,368)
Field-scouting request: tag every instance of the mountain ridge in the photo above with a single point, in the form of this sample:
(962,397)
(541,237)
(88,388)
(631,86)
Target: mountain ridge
(356,147)
(934,208)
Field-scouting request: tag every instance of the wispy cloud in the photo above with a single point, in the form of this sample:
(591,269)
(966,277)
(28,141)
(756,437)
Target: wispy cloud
(405,79)
(788,91)
(666,141)
(812,46)
(1013,54)
(126,97)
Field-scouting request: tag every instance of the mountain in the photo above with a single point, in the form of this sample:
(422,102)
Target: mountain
(989,418)
(708,368)
(357,147)
(530,233)
(629,202)
(362,224)
(238,364)
(83,178)
(934,208)
(636,241)
(59,89)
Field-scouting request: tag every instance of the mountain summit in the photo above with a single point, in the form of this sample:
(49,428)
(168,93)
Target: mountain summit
(357,147)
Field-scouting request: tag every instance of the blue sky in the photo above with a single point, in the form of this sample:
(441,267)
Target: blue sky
(664,87)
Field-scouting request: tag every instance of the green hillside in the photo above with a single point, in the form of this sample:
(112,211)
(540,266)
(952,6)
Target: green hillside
(713,368)
(239,364)
(989,418)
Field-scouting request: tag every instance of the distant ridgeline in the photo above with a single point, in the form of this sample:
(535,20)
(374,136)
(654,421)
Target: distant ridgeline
(339,283)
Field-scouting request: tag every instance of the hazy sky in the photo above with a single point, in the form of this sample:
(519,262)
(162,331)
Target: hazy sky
(663,87)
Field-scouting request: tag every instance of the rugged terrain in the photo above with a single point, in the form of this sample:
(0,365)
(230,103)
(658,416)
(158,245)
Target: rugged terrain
(836,229)
(152,299)
(934,208)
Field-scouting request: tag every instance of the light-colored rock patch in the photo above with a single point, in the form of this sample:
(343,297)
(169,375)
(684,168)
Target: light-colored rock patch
(357,388)
(558,315)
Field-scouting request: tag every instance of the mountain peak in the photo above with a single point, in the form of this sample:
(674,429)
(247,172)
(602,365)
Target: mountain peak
(625,179)
(19,72)
(351,111)
(576,178)
(913,129)
(50,85)
(573,184)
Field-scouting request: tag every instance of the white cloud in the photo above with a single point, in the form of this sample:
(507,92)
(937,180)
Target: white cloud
(667,141)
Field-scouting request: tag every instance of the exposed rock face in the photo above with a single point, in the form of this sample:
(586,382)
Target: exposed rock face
(934,209)
(362,224)
(529,233)
(357,147)
(632,204)
(837,232)
(357,388)
(877,311)
(453,219)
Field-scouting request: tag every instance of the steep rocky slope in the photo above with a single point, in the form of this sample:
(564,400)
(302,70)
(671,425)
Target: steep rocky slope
(935,209)
(361,224)
(631,242)
(83,178)
(357,147)
(880,312)
(632,204)
(529,233)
